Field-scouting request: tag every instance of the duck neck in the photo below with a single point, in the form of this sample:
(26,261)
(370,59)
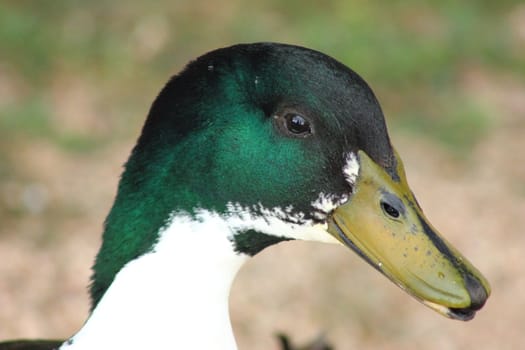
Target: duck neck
(175,296)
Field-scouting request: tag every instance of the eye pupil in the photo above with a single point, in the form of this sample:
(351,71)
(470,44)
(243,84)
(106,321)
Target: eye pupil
(297,124)
(390,210)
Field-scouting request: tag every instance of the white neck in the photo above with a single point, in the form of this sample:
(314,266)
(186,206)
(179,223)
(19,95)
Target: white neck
(175,297)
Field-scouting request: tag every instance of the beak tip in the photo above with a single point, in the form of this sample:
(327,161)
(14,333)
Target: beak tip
(465,314)
(477,291)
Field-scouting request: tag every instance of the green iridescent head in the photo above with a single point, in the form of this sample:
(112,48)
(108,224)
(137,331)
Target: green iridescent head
(266,126)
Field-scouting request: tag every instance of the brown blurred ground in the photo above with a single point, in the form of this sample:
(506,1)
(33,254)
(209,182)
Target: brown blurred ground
(476,200)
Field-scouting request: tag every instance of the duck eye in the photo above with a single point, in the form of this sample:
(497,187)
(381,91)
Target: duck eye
(390,210)
(297,124)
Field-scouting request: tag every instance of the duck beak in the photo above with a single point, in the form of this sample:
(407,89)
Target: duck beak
(384,224)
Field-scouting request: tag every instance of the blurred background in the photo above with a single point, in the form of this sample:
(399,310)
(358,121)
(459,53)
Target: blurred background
(76,82)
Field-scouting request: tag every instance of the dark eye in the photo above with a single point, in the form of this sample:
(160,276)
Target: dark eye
(390,210)
(297,124)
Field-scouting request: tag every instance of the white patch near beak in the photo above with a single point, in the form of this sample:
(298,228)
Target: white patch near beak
(351,168)
(326,203)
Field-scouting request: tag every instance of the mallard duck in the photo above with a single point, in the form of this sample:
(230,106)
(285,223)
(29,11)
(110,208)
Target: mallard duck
(248,146)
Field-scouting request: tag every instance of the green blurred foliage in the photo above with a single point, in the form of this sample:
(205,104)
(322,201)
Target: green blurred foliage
(411,52)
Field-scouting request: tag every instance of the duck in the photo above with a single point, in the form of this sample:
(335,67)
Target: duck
(248,146)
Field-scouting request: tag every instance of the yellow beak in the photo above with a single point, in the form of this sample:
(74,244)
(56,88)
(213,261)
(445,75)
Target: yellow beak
(384,224)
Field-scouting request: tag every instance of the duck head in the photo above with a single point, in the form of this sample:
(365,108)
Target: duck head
(282,142)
